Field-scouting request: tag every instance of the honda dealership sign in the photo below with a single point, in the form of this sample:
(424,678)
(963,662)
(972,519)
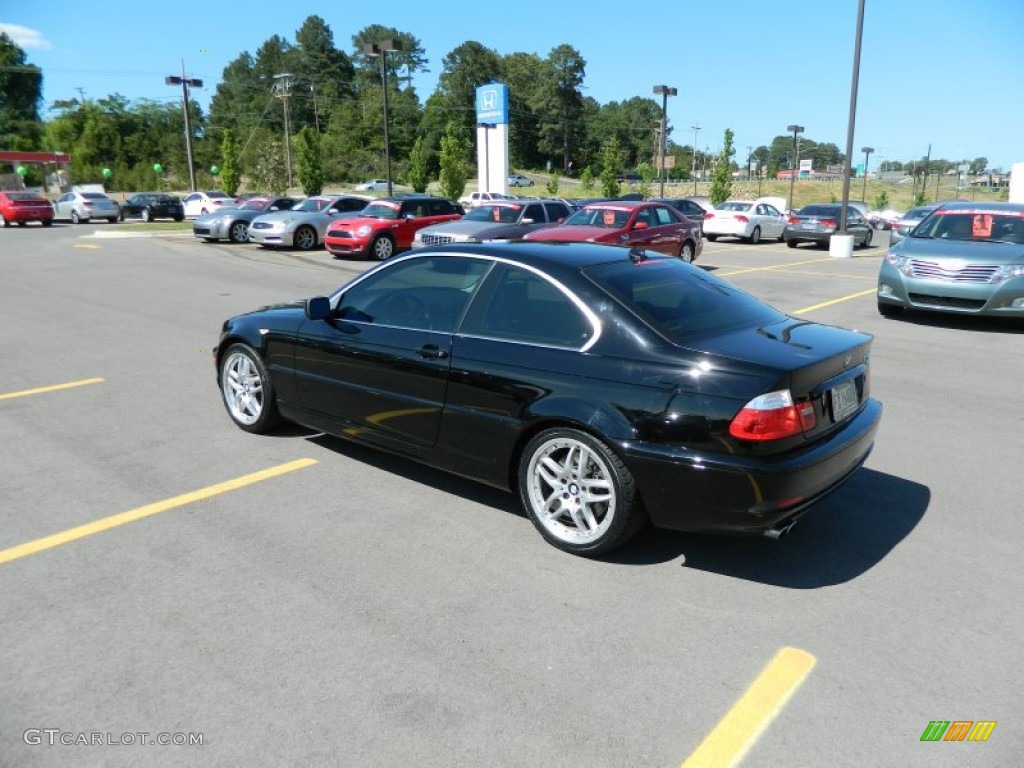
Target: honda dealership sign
(492,137)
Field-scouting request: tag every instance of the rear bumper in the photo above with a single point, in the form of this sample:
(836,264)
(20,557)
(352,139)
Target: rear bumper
(801,236)
(688,491)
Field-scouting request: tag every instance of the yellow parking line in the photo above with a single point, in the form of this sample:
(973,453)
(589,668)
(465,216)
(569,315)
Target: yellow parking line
(83,245)
(872,278)
(772,266)
(834,301)
(106,523)
(742,725)
(52,388)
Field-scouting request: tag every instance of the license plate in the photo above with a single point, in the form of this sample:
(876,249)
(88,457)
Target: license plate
(844,400)
(809,225)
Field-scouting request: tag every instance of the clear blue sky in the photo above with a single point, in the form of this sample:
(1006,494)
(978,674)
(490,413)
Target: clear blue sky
(945,72)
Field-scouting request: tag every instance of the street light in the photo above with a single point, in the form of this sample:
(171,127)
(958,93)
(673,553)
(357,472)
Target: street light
(693,168)
(185,84)
(796,129)
(665,92)
(864,190)
(381,49)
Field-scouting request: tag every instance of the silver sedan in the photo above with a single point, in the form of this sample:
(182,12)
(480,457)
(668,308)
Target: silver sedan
(232,223)
(305,225)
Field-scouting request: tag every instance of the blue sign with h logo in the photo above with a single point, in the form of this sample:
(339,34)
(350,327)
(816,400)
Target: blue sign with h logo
(492,104)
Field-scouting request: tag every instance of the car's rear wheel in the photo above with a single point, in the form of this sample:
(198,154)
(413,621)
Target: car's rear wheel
(867,239)
(247,390)
(3,222)
(382,247)
(239,232)
(889,310)
(711,238)
(112,219)
(578,493)
(146,215)
(755,236)
(47,222)
(74,218)
(179,218)
(203,211)
(686,252)
(305,238)
(791,243)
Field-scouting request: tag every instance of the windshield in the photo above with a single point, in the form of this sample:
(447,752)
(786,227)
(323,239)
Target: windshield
(973,226)
(917,213)
(608,218)
(734,206)
(503,214)
(312,205)
(217,194)
(380,210)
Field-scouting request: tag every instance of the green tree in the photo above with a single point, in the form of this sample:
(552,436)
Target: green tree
(560,103)
(230,172)
(647,176)
(920,199)
(552,185)
(454,172)
(587,181)
(269,172)
(21,91)
(881,200)
(978,166)
(610,166)
(311,169)
(418,175)
(721,181)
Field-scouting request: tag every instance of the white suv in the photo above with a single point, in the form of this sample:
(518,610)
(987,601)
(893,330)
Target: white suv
(480,198)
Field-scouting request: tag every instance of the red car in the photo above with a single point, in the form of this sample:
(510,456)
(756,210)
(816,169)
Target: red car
(388,225)
(654,226)
(23,207)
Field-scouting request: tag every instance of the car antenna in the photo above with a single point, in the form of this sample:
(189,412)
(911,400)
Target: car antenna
(637,254)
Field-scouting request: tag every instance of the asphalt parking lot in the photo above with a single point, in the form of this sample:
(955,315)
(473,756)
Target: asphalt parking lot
(294,600)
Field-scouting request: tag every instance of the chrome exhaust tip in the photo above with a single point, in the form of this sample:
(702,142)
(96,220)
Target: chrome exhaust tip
(778,533)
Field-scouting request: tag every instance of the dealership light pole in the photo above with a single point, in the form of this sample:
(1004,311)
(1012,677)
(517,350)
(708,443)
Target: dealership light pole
(693,169)
(665,92)
(796,129)
(853,116)
(864,190)
(381,49)
(185,84)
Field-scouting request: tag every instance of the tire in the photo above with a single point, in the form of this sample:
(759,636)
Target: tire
(75,218)
(755,236)
(247,391)
(209,239)
(203,211)
(112,219)
(146,215)
(179,218)
(382,247)
(3,222)
(711,238)
(47,222)
(889,310)
(867,239)
(305,238)
(686,252)
(791,243)
(238,232)
(558,470)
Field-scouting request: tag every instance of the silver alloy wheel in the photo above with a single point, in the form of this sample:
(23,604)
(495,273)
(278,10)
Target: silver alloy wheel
(242,387)
(867,238)
(755,236)
(571,491)
(74,217)
(146,215)
(383,247)
(305,239)
(239,232)
(686,253)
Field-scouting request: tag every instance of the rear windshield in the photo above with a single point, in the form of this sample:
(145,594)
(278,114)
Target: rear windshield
(680,302)
(917,213)
(734,206)
(819,210)
(974,226)
(94,196)
(23,196)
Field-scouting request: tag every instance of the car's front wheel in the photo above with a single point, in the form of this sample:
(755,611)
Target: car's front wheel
(146,215)
(247,390)
(75,218)
(305,238)
(383,247)
(239,232)
(578,493)
(711,238)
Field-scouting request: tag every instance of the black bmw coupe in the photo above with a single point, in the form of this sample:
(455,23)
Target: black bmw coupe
(606,386)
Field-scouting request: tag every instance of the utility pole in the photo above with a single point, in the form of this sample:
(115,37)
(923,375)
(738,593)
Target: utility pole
(283,91)
(185,84)
(665,92)
(693,168)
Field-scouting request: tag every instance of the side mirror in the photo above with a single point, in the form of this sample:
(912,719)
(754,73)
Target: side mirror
(527,221)
(273,208)
(410,216)
(640,225)
(318,308)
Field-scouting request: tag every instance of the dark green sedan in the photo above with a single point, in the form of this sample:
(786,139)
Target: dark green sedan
(964,257)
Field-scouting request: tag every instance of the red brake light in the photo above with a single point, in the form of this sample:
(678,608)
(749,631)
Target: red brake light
(742,219)
(792,220)
(708,216)
(829,223)
(772,416)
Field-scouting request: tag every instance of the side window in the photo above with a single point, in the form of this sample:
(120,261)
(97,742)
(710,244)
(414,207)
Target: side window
(439,207)
(520,306)
(424,294)
(645,215)
(556,211)
(664,216)
(535,212)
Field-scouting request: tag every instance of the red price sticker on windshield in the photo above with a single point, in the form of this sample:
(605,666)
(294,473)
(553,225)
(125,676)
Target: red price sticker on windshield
(982,225)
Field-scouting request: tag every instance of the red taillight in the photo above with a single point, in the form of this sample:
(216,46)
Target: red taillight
(793,220)
(829,223)
(772,416)
(708,216)
(742,219)
(87,204)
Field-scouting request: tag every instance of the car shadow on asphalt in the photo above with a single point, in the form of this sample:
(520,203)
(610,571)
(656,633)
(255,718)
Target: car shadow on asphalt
(971,323)
(843,537)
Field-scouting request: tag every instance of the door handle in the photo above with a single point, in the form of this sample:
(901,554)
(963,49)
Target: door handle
(433,352)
